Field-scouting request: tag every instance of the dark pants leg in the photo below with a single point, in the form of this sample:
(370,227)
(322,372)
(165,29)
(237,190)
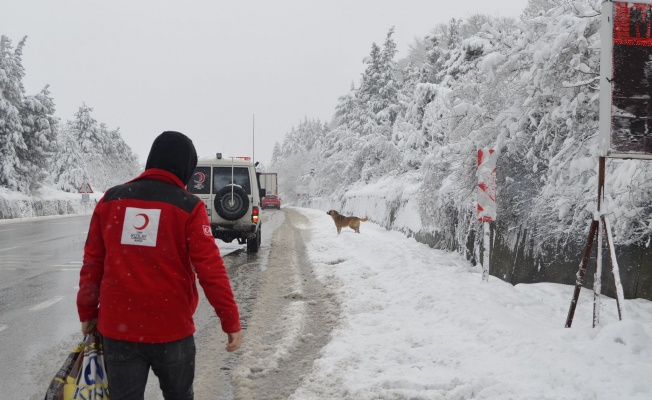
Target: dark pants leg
(174,365)
(128,363)
(126,370)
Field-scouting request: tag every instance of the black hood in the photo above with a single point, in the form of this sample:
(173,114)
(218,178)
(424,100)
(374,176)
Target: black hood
(173,152)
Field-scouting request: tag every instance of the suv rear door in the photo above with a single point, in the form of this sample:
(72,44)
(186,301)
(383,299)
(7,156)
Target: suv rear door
(222,177)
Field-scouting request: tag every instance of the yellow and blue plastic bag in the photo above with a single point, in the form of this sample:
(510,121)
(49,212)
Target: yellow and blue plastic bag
(83,374)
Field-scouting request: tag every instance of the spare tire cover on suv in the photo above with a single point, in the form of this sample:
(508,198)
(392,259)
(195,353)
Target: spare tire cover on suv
(231,202)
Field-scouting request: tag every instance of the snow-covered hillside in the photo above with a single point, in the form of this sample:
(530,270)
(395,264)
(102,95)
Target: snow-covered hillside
(527,88)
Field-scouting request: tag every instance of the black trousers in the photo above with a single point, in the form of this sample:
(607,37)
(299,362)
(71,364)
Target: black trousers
(128,364)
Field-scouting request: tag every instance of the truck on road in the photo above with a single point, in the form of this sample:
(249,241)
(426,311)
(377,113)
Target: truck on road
(269,182)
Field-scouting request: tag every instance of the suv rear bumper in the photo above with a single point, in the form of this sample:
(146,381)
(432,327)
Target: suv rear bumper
(227,232)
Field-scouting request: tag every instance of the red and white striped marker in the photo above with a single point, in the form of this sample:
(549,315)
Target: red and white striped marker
(486,201)
(487,185)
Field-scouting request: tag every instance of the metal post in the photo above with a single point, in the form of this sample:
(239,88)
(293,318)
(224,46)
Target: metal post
(485,257)
(620,296)
(581,273)
(253,139)
(601,175)
(597,281)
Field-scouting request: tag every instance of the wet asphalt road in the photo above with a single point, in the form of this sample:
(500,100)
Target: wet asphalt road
(39,272)
(40,261)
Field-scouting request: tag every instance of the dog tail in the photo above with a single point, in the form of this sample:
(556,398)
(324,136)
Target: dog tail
(365,219)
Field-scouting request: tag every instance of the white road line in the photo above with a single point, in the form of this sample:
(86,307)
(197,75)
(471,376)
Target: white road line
(68,269)
(9,248)
(47,303)
(6,230)
(3,327)
(76,262)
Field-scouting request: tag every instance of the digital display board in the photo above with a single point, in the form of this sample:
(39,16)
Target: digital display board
(626,80)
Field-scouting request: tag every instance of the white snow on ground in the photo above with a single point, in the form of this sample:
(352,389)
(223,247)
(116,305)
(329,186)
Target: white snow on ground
(418,323)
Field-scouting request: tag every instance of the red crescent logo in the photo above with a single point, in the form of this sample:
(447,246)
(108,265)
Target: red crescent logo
(201,176)
(140,228)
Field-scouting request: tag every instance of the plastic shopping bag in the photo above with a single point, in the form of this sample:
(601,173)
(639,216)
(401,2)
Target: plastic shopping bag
(90,381)
(86,379)
(55,390)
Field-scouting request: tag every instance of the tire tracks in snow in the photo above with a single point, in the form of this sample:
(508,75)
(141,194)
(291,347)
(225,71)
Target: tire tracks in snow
(291,321)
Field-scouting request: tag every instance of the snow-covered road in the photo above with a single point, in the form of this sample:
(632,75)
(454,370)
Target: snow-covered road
(418,323)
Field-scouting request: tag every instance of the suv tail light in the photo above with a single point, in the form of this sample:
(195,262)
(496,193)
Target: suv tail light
(254,215)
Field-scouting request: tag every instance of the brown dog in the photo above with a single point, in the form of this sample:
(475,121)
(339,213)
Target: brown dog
(341,221)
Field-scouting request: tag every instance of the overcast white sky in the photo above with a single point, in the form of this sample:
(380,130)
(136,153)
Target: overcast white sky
(205,68)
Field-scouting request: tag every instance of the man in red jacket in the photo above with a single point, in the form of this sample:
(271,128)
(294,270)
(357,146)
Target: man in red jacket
(147,240)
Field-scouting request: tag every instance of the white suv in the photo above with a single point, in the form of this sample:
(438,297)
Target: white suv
(231,191)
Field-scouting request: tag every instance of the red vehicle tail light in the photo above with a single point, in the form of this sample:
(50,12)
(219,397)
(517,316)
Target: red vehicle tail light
(254,215)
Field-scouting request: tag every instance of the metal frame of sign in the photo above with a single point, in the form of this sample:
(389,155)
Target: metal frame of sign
(625,124)
(626,80)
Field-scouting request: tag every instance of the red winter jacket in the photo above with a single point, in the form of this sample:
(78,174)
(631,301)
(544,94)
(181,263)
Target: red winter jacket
(147,240)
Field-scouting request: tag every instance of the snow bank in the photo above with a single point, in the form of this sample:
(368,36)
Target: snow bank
(43,202)
(389,202)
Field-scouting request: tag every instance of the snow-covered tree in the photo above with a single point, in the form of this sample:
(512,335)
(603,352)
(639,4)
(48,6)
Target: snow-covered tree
(368,95)
(537,8)
(276,153)
(87,131)
(298,158)
(69,167)
(11,99)
(348,110)
(39,134)
(90,151)
(387,83)
(34,150)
